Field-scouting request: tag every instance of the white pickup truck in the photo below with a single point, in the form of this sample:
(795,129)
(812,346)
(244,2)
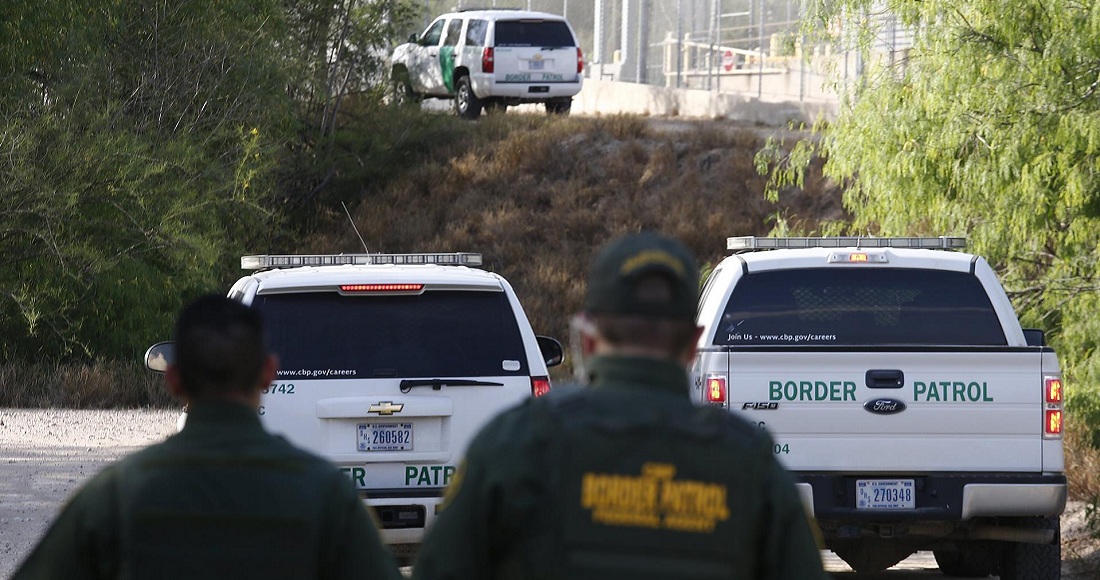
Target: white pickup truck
(900,389)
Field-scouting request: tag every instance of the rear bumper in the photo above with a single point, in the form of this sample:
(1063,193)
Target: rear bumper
(485,87)
(942,497)
(404,520)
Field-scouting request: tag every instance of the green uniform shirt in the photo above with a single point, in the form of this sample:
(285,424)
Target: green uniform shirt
(221,499)
(623,479)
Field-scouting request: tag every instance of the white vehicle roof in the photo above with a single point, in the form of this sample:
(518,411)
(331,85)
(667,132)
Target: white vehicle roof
(304,277)
(504,15)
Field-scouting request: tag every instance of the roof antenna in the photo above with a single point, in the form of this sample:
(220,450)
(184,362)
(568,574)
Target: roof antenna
(355,228)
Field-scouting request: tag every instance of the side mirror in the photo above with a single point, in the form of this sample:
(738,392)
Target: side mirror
(413,39)
(1035,337)
(159,356)
(551,349)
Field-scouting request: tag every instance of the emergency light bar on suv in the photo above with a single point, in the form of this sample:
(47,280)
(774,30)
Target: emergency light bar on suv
(751,243)
(292,261)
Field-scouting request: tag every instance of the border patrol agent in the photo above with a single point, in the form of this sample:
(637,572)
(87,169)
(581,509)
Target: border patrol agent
(223,498)
(625,478)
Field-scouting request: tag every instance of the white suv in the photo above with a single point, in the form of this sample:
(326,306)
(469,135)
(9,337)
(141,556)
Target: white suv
(389,364)
(491,59)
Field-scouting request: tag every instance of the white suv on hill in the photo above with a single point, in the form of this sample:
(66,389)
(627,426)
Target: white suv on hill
(491,59)
(389,364)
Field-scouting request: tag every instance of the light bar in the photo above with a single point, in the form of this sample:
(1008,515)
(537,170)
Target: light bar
(745,243)
(294,261)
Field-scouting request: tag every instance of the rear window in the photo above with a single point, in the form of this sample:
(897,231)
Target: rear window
(860,307)
(541,33)
(323,335)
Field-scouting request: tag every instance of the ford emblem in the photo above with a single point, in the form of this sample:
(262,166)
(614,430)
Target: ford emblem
(884,406)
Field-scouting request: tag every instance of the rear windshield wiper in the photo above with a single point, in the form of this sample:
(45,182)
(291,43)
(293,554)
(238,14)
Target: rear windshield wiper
(436,384)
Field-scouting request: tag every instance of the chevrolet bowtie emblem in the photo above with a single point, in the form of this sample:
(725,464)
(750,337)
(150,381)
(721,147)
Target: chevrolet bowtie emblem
(386,408)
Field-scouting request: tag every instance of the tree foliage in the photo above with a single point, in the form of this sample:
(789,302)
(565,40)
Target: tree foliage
(144,147)
(990,128)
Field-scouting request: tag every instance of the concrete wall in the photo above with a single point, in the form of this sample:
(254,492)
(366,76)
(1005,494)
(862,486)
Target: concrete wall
(605,97)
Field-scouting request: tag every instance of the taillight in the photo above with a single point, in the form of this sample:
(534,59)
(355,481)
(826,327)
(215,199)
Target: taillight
(1052,388)
(714,390)
(1053,396)
(381,287)
(1052,423)
(580,61)
(540,386)
(487,64)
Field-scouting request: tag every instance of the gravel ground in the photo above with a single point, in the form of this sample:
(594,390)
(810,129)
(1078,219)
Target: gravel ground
(47,454)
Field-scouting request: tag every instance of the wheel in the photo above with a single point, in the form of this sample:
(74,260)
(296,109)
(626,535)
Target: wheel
(559,106)
(968,560)
(401,91)
(467,105)
(1034,561)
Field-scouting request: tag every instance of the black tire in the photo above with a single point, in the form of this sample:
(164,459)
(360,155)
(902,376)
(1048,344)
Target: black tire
(467,105)
(968,560)
(1034,561)
(401,91)
(559,106)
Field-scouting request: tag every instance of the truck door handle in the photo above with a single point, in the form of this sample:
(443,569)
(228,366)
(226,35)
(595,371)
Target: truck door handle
(885,379)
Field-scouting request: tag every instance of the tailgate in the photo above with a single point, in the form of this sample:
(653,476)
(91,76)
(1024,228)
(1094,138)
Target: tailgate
(893,411)
(534,51)
(385,439)
(535,65)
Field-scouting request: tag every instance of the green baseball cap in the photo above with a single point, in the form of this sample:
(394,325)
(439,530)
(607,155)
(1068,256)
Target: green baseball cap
(620,280)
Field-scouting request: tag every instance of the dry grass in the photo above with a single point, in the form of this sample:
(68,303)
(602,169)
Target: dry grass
(102,385)
(538,195)
(1082,465)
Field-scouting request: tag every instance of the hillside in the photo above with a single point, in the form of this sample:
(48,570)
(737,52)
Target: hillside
(538,195)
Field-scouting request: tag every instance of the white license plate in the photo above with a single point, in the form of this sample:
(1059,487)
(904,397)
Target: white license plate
(885,494)
(385,436)
(537,64)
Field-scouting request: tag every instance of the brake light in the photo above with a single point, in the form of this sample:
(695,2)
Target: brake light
(487,64)
(580,61)
(1053,389)
(1053,396)
(1053,423)
(714,390)
(540,386)
(857,257)
(381,287)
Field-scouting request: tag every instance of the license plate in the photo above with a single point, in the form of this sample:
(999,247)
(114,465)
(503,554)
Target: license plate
(385,436)
(885,494)
(537,64)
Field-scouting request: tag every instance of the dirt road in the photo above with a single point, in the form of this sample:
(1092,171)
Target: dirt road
(46,454)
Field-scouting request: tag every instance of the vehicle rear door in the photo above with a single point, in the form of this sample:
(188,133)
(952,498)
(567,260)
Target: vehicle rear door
(875,369)
(391,382)
(534,51)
